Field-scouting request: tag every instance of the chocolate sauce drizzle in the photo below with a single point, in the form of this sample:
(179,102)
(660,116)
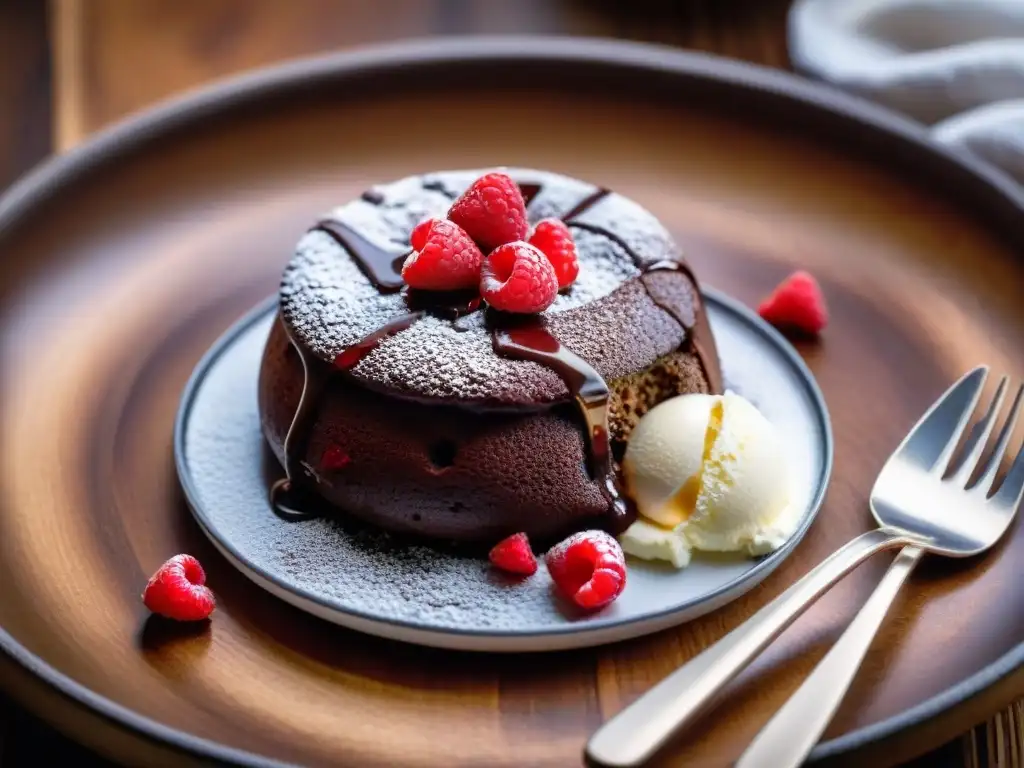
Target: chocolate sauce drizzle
(286,495)
(529,191)
(450,305)
(586,204)
(536,343)
(353,354)
(699,335)
(439,186)
(531,340)
(382,266)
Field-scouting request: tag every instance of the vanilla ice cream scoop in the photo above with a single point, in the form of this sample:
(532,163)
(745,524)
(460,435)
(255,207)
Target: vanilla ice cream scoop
(665,457)
(707,472)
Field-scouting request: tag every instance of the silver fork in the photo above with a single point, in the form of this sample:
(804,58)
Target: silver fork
(913,507)
(793,731)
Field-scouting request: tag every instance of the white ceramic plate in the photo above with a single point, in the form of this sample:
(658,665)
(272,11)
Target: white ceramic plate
(363,580)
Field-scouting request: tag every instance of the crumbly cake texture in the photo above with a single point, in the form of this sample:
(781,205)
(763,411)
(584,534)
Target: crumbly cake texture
(608,317)
(632,396)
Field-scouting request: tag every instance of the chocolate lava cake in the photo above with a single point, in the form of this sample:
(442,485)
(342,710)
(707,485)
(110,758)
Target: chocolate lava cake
(434,416)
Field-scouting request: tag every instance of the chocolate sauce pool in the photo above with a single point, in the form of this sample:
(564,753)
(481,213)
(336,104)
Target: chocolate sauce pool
(528,339)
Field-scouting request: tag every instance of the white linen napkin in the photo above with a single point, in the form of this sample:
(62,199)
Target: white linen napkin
(956,65)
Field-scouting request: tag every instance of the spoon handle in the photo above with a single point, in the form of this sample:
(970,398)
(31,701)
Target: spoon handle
(633,735)
(793,731)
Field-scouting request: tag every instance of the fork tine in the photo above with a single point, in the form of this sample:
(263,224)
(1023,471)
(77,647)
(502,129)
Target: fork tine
(978,438)
(1011,492)
(988,478)
(934,438)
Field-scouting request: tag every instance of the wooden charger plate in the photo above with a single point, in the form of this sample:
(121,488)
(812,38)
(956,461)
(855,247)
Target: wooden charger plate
(125,259)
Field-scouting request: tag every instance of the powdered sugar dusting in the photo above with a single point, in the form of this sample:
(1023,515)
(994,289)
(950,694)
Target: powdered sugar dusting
(354,571)
(345,564)
(642,332)
(330,304)
(410,583)
(432,356)
(634,226)
(606,267)
(328,301)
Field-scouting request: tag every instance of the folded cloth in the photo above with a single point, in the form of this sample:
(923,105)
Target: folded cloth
(956,65)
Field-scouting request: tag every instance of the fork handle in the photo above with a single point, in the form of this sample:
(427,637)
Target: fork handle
(793,731)
(633,735)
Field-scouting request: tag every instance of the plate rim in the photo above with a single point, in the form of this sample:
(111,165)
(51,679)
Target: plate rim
(387,60)
(622,629)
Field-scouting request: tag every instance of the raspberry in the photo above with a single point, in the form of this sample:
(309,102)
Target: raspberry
(418,238)
(449,260)
(492,211)
(514,555)
(553,238)
(516,277)
(177,590)
(588,568)
(334,458)
(796,304)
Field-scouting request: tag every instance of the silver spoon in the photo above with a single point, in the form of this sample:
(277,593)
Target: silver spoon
(793,731)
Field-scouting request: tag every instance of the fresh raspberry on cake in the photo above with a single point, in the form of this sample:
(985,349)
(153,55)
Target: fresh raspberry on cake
(492,211)
(418,237)
(553,238)
(178,590)
(797,304)
(445,404)
(513,555)
(588,568)
(516,277)
(448,261)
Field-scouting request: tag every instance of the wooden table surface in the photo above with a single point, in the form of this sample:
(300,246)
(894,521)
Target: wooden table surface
(70,68)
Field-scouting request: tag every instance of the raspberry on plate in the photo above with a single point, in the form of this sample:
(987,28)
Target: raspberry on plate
(177,590)
(448,261)
(796,304)
(513,555)
(492,211)
(418,237)
(517,277)
(588,568)
(553,238)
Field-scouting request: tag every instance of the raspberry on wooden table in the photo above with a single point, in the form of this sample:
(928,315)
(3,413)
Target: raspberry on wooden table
(553,238)
(516,277)
(177,590)
(588,568)
(513,555)
(492,211)
(448,261)
(796,304)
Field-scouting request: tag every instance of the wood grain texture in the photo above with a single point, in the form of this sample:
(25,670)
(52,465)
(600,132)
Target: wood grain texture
(187,43)
(70,73)
(24,88)
(6,717)
(179,259)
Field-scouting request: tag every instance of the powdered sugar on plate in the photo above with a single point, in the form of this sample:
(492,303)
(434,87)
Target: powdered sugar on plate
(369,580)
